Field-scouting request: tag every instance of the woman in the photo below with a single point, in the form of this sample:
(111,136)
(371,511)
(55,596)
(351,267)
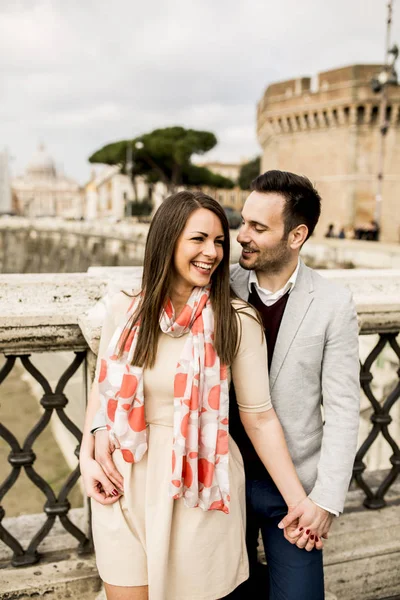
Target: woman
(177,532)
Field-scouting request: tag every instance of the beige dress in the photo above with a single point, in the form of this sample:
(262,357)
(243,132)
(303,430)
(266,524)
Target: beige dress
(147,538)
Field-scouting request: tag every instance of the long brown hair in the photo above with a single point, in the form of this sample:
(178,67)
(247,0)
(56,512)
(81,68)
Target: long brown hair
(166,227)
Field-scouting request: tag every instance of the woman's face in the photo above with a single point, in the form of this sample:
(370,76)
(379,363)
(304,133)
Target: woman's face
(199,250)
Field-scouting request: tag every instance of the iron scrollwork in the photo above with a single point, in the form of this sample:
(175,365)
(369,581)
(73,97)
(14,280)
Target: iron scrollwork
(380,419)
(24,458)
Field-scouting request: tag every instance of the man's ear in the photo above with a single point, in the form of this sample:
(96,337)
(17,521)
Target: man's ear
(298,236)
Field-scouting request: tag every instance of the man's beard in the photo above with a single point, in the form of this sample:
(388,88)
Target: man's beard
(273,260)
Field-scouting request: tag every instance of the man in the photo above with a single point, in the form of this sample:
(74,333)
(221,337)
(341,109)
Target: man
(312,337)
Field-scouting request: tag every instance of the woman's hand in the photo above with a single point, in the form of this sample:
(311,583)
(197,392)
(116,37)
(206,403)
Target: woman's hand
(103,449)
(306,524)
(96,483)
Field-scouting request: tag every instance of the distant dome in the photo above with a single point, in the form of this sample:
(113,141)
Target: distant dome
(41,164)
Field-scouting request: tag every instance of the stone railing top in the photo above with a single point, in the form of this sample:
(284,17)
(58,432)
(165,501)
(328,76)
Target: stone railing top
(124,230)
(51,311)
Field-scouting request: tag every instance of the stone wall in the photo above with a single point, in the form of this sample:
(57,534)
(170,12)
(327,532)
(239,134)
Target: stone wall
(57,246)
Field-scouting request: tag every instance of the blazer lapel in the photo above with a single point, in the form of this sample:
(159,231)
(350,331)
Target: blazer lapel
(297,306)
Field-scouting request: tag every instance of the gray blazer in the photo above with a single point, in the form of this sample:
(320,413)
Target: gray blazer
(316,360)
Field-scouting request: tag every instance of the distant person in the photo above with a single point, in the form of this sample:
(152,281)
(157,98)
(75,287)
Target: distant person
(342,234)
(374,231)
(169,524)
(350,233)
(330,231)
(311,330)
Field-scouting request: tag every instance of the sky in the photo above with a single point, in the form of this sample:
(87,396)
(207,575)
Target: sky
(78,74)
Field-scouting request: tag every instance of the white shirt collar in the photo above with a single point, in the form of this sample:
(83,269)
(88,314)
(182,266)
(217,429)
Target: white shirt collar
(268,297)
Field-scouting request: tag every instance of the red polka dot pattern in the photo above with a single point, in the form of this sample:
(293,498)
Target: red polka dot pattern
(199,462)
(103,370)
(127,455)
(111,408)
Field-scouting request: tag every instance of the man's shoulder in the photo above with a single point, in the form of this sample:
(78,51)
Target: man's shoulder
(237,271)
(327,289)
(239,278)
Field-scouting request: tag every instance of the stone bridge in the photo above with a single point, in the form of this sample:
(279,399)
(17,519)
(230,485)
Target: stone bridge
(59,246)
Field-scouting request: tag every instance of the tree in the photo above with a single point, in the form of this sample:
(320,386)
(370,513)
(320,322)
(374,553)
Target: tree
(248,172)
(164,155)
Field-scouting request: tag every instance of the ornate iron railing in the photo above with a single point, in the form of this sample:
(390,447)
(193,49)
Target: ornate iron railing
(23,457)
(380,419)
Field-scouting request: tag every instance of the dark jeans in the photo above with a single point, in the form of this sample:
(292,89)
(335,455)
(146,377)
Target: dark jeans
(292,573)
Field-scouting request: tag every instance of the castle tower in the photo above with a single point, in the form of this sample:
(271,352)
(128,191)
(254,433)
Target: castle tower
(331,134)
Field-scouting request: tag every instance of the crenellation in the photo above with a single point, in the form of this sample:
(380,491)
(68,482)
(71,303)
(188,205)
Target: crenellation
(382,114)
(394,117)
(293,124)
(342,114)
(353,116)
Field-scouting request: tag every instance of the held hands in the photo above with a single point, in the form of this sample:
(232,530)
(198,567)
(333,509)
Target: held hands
(96,483)
(306,524)
(103,449)
(101,479)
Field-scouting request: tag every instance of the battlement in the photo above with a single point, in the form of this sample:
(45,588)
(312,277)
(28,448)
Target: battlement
(338,97)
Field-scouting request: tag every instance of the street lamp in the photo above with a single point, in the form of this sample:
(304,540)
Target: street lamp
(379,85)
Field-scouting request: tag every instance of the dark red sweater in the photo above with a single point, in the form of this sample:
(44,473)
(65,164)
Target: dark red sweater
(272,318)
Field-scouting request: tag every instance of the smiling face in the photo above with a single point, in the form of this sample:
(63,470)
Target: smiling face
(198,251)
(265,247)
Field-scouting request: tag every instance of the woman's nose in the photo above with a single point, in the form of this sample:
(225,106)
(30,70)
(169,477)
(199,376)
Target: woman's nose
(210,250)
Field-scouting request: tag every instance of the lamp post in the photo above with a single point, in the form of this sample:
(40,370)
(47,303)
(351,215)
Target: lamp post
(379,85)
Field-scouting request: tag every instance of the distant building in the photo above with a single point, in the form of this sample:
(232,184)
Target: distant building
(234,197)
(330,132)
(44,192)
(5,184)
(109,194)
(230,170)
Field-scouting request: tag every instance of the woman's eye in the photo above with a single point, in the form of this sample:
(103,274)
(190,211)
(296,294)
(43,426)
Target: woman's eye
(198,239)
(220,242)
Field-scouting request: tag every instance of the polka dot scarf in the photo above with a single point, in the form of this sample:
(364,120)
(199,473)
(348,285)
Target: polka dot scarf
(201,403)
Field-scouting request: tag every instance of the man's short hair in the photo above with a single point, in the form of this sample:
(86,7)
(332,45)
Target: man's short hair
(303,203)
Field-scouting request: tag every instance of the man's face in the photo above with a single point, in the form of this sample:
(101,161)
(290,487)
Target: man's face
(265,247)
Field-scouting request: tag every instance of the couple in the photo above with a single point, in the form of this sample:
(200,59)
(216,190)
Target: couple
(166,478)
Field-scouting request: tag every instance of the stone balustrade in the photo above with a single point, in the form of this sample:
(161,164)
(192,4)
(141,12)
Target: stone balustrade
(50,313)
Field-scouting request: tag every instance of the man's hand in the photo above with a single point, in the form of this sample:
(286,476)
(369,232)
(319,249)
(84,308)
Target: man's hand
(305,525)
(103,449)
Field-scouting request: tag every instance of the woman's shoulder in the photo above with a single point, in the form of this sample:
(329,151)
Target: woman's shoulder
(119,303)
(244,309)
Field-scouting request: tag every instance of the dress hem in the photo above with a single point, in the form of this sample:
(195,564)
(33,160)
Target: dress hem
(221,594)
(124,585)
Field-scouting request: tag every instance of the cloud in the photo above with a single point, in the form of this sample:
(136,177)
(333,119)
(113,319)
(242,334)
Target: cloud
(78,75)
